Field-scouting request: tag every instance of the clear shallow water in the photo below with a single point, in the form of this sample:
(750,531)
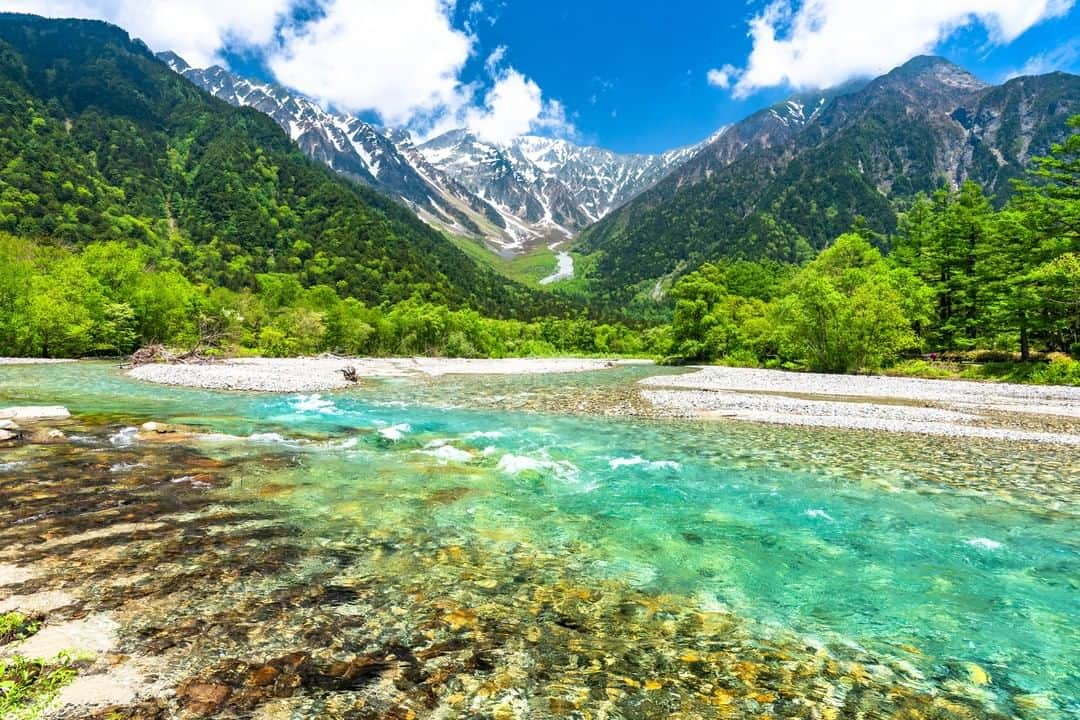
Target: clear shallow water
(946,564)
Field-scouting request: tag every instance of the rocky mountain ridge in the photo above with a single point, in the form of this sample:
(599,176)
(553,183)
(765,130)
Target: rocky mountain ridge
(515,194)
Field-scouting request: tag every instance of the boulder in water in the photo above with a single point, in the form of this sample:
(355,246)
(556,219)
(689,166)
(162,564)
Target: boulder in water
(47,436)
(39,412)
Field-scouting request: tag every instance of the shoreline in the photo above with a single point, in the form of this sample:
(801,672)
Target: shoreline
(34,361)
(950,408)
(293,375)
(945,408)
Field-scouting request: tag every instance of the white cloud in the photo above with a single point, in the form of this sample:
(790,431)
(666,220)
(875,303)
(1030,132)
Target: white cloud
(196,29)
(1062,57)
(495,59)
(400,58)
(722,77)
(825,42)
(515,106)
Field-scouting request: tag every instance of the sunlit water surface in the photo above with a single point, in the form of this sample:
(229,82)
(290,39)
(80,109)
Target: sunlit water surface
(947,569)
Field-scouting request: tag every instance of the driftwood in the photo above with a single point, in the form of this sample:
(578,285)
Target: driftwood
(350,374)
(210,337)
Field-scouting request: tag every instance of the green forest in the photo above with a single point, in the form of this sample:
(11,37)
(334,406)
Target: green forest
(135,209)
(961,278)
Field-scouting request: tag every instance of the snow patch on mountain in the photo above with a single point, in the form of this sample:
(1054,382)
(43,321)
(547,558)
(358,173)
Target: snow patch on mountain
(515,195)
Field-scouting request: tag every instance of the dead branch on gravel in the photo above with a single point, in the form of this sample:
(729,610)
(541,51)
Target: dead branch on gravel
(211,335)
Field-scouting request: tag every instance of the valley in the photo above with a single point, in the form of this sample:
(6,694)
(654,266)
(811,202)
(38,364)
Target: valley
(344,374)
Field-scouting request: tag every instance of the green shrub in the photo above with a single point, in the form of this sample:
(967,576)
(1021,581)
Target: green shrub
(1061,370)
(16,626)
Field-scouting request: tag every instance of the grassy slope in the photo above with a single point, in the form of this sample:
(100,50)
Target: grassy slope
(528,269)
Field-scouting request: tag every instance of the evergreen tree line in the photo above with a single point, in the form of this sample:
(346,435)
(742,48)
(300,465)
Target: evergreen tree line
(961,276)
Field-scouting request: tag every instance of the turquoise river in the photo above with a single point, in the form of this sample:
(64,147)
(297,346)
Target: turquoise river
(453,548)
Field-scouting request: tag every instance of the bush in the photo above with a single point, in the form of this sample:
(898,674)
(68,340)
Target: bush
(1061,370)
(740,358)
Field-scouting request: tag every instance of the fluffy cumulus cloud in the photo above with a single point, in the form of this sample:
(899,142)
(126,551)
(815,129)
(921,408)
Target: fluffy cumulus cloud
(401,59)
(513,106)
(722,77)
(819,43)
(197,30)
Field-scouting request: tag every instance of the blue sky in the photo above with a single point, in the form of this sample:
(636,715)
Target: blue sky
(630,75)
(633,73)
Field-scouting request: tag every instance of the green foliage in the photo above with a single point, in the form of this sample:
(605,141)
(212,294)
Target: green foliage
(27,686)
(1002,279)
(16,626)
(100,143)
(844,311)
(1059,371)
(111,298)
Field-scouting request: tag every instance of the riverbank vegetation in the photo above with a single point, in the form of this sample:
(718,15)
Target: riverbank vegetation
(110,298)
(137,210)
(961,276)
(28,685)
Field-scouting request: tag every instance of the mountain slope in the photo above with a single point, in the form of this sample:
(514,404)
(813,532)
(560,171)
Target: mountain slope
(101,141)
(514,194)
(545,188)
(386,161)
(784,182)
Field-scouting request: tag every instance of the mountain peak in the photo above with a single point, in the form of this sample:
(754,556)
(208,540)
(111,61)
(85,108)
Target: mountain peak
(174,61)
(931,69)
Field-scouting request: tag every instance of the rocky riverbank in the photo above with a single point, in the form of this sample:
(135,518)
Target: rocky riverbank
(320,374)
(1001,411)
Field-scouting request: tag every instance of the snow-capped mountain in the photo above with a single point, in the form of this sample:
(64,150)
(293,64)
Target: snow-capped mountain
(544,186)
(386,160)
(513,194)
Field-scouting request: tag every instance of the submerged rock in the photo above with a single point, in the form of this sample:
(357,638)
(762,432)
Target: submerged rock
(35,412)
(203,698)
(47,436)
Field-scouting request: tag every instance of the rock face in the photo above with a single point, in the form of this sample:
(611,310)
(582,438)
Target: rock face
(29,412)
(787,180)
(548,188)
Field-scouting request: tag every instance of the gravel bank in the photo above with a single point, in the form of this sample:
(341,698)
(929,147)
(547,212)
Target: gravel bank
(318,374)
(32,361)
(934,407)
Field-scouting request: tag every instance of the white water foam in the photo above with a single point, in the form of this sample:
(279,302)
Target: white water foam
(445,453)
(125,437)
(562,470)
(819,515)
(9,466)
(396,432)
(268,438)
(637,460)
(316,404)
(485,435)
(984,543)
